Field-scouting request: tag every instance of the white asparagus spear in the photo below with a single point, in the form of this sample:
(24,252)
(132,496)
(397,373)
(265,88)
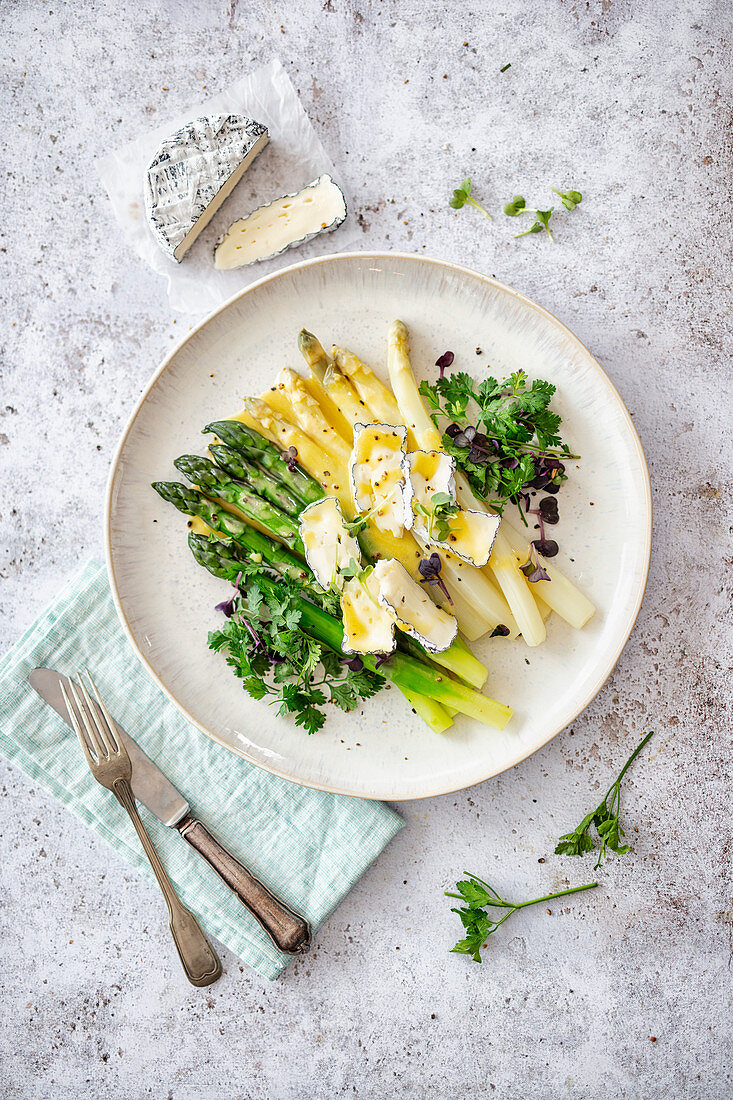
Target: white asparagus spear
(371,390)
(415,416)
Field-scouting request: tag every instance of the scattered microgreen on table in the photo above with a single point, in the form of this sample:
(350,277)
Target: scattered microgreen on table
(517,206)
(462,195)
(605,818)
(570,199)
(476,913)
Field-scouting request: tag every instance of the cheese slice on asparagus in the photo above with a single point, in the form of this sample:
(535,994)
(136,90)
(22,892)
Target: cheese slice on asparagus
(413,610)
(466,533)
(368,627)
(380,476)
(327,542)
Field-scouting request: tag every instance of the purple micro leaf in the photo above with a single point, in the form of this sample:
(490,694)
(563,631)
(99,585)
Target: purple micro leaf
(429,569)
(547,547)
(291,456)
(548,510)
(445,361)
(355,664)
(453,430)
(500,631)
(228,607)
(532,570)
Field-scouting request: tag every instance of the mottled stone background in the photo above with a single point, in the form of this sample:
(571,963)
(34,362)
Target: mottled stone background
(622,993)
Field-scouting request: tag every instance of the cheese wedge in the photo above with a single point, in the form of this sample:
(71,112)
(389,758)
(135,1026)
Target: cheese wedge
(471,536)
(193,172)
(284,223)
(471,533)
(431,472)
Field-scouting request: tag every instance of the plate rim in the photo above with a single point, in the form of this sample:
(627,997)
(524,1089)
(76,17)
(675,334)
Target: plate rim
(380,254)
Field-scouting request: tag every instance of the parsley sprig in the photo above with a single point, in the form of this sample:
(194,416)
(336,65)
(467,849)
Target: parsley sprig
(480,913)
(605,818)
(273,657)
(500,433)
(462,195)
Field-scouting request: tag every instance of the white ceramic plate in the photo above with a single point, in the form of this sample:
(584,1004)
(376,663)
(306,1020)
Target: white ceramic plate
(166,601)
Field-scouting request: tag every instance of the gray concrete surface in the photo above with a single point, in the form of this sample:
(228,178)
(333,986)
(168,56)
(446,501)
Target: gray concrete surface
(625,993)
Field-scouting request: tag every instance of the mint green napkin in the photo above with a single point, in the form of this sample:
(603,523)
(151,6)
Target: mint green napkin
(309,847)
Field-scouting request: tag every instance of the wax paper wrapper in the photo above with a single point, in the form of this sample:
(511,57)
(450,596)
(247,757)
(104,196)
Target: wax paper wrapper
(293,158)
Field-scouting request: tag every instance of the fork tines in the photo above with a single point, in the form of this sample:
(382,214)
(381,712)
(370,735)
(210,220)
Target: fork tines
(92,722)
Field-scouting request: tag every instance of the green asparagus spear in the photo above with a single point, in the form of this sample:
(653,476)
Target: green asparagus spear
(193,503)
(213,481)
(260,481)
(403,670)
(226,560)
(256,448)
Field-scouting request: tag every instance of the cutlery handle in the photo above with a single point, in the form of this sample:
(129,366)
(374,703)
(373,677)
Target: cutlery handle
(288,931)
(200,961)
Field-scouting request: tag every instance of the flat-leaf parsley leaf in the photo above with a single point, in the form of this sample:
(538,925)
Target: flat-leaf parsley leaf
(480,913)
(605,818)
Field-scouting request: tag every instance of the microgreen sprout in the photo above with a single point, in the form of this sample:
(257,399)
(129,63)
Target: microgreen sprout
(570,199)
(462,195)
(353,569)
(444,361)
(516,206)
(441,510)
(532,569)
(541,223)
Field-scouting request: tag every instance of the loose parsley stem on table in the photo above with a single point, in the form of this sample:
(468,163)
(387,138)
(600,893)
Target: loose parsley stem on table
(605,818)
(479,897)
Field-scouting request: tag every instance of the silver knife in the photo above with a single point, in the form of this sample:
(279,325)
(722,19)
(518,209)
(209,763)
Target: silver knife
(288,931)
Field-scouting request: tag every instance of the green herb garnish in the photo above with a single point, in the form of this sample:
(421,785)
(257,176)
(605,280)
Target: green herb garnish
(462,195)
(605,818)
(570,199)
(262,638)
(495,425)
(540,225)
(479,898)
(517,206)
(439,514)
(353,569)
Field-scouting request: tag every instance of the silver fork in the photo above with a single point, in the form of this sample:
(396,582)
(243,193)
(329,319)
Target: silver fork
(110,765)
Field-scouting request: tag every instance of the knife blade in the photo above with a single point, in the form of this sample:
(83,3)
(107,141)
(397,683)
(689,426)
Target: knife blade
(151,787)
(287,930)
